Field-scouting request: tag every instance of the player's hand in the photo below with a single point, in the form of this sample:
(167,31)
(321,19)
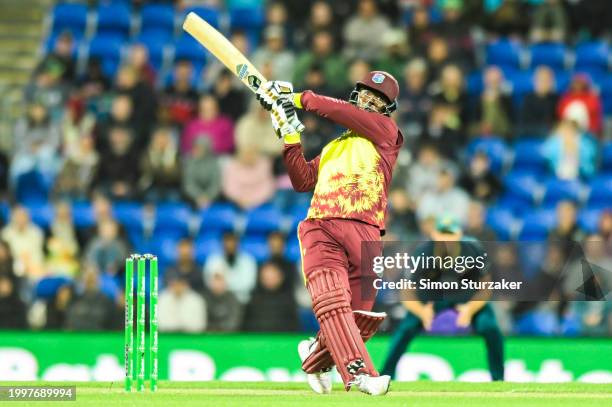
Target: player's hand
(269,92)
(427,316)
(464,317)
(285,116)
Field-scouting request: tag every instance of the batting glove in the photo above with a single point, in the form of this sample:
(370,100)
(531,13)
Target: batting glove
(283,118)
(269,92)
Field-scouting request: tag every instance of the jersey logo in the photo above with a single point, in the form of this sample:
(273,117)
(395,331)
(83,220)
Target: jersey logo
(242,70)
(378,78)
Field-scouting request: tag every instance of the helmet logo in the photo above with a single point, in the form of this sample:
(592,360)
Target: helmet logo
(378,78)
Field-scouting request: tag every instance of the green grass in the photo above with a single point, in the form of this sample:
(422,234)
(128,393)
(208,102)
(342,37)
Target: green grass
(414,394)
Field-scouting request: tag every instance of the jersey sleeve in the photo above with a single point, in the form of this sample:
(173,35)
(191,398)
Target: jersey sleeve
(303,174)
(379,129)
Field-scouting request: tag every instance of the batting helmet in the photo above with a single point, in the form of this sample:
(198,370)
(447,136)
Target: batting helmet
(381,82)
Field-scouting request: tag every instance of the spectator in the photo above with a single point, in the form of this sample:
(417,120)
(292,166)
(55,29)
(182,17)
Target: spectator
(549,22)
(61,58)
(232,100)
(438,57)
(102,212)
(48,90)
(180,308)
(214,68)
(450,91)
(538,111)
(395,54)
(107,250)
(604,228)
(121,115)
(247,179)
(494,112)
(118,171)
(566,232)
(456,32)
(570,153)
(274,53)
(424,173)
(446,199)
(509,19)
(421,32)
(254,130)
(224,309)
(201,174)
(139,61)
(77,123)
(160,167)
(443,131)
(415,102)
(210,124)
(476,226)
(276,246)
(6,260)
(180,97)
(363,32)
(272,308)
(186,266)
(580,94)
(75,179)
(321,18)
(62,243)
(321,54)
(239,268)
(26,241)
(316,81)
(90,311)
(37,141)
(144,102)
(94,82)
(479,180)
(277,15)
(12,308)
(57,307)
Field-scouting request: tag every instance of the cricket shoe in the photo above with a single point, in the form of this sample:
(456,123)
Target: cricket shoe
(320,382)
(372,385)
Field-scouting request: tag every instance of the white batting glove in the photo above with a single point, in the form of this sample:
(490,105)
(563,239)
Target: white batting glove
(270,91)
(283,118)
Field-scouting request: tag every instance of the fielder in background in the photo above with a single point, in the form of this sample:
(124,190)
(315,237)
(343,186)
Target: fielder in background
(350,180)
(471,307)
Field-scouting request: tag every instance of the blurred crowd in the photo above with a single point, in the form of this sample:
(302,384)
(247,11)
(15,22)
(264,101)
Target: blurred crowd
(196,135)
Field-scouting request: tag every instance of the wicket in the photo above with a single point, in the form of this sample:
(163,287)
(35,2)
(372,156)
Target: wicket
(138,376)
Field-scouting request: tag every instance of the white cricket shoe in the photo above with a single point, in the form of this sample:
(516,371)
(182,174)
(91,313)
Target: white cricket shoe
(319,382)
(372,385)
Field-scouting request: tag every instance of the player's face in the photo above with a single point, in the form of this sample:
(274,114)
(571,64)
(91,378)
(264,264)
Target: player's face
(370,101)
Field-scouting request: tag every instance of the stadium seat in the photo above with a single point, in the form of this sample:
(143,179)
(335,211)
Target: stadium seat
(529,156)
(172,220)
(69,17)
(557,190)
(188,48)
(157,18)
(48,286)
(588,219)
(247,18)
(218,218)
(129,214)
(523,186)
(504,53)
(502,221)
(474,82)
(5,212)
(292,250)
(263,220)
(537,224)
(108,50)
(31,187)
(256,246)
(606,156)
(82,214)
(495,148)
(592,56)
(606,94)
(210,14)
(205,246)
(41,213)
(522,83)
(552,55)
(600,194)
(156,44)
(113,19)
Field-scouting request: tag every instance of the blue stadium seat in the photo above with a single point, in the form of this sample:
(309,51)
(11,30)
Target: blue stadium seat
(247,18)
(502,221)
(504,53)
(205,246)
(474,82)
(158,18)
(592,56)
(113,19)
(82,214)
(209,14)
(188,48)
(108,50)
(292,249)
(41,213)
(297,214)
(48,286)
(562,80)
(588,219)
(495,148)
(31,187)
(69,17)
(256,246)
(522,83)
(537,224)
(606,156)
(549,54)
(172,220)
(218,218)
(156,44)
(557,190)
(601,192)
(263,220)
(129,214)
(529,156)
(606,94)
(523,186)
(5,212)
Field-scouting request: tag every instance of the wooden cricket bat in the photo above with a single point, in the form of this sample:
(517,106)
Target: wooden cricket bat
(224,50)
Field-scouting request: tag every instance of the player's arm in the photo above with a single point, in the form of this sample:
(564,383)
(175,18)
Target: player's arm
(379,129)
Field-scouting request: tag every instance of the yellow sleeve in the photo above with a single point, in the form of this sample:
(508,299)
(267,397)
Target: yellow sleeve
(297,100)
(293,138)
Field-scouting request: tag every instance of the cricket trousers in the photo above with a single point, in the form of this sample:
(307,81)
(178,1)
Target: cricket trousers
(339,284)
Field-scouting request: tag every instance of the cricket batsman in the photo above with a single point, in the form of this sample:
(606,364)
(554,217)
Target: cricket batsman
(350,180)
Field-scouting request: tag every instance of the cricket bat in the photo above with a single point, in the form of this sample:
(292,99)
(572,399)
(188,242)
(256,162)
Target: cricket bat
(223,50)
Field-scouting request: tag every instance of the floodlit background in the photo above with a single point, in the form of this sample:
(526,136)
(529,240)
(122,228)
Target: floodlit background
(121,134)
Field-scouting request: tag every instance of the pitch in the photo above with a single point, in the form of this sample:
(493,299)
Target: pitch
(412,394)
